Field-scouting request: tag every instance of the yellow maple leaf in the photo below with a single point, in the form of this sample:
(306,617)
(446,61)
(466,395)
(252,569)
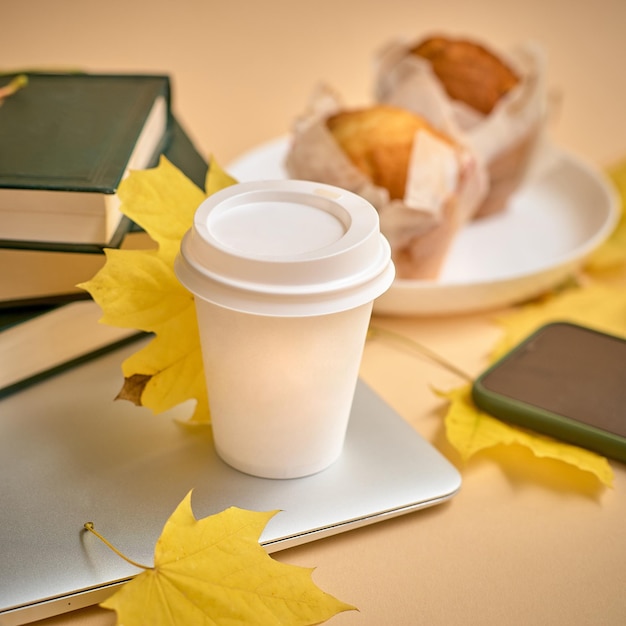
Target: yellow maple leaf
(138,289)
(470,430)
(597,305)
(213,571)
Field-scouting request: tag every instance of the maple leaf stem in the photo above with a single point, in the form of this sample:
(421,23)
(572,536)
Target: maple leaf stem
(89,526)
(16,84)
(423,350)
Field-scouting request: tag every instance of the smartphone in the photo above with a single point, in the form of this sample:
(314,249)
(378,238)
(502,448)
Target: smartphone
(566,381)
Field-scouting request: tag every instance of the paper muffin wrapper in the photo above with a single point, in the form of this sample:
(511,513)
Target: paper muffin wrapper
(504,140)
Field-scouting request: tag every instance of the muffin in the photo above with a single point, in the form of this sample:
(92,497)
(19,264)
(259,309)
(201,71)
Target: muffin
(468,71)
(379,141)
(492,102)
(424,185)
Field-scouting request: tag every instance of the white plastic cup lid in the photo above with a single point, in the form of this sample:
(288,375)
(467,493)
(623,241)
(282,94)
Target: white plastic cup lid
(285,248)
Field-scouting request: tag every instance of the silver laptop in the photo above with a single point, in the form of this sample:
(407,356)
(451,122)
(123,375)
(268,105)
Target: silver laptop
(70,454)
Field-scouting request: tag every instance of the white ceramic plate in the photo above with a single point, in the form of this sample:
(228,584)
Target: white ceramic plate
(565,210)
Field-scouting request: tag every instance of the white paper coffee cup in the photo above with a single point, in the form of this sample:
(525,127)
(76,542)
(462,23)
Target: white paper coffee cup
(284,275)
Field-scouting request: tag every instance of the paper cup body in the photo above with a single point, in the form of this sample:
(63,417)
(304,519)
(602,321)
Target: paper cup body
(284,275)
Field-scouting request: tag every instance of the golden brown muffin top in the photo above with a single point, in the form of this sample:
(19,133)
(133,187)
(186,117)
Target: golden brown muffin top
(379,140)
(468,71)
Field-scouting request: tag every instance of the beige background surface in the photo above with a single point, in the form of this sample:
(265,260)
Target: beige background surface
(243,69)
(525,541)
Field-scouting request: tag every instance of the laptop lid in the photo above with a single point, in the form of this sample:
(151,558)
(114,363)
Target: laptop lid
(70,454)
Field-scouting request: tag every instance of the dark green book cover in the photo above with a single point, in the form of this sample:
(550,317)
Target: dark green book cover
(75,133)
(185,156)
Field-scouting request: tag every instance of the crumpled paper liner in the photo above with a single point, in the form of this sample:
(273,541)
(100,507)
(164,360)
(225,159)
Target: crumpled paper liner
(421,226)
(505,140)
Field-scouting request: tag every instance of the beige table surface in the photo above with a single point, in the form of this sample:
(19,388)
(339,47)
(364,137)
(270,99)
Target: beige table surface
(525,541)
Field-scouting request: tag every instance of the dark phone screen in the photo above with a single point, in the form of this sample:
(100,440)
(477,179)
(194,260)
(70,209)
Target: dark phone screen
(569,370)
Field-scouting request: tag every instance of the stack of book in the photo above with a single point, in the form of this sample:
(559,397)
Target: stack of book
(66,142)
